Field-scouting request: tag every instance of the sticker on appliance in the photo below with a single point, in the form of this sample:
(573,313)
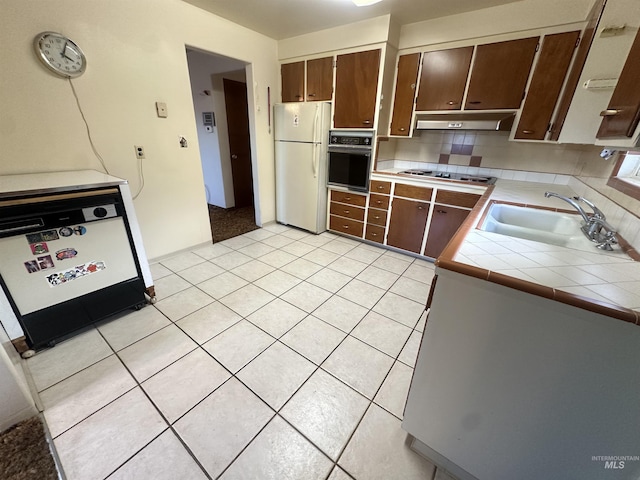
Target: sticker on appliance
(66,253)
(66,231)
(49,235)
(34,237)
(79,230)
(31,266)
(39,248)
(74,273)
(45,262)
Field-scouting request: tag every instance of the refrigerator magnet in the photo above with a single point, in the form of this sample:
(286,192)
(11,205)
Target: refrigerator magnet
(31,266)
(79,230)
(66,253)
(49,235)
(34,237)
(66,231)
(45,262)
(39,248)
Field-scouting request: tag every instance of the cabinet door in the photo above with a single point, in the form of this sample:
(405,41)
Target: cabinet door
(405,94)
(356,88)
(444,224)
(544,90)
(499,74)
(443,78)
(407,224)
(319,79)
(621,117)
(576,69)
(292,81)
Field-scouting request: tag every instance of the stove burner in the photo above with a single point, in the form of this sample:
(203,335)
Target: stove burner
(452,176)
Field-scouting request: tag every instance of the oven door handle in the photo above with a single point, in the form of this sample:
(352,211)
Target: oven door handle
(350,150)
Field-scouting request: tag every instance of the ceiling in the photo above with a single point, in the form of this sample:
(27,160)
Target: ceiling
(280,19)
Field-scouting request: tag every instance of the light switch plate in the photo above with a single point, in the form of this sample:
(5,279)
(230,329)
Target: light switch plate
(161,108)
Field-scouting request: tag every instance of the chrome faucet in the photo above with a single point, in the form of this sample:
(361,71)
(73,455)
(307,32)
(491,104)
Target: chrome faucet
(595,226)
(573,203)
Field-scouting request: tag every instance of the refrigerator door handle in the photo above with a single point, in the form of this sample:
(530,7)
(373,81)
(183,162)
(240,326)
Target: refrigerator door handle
(315,159)
(316,118)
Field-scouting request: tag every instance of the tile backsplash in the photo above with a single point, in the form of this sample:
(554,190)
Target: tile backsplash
(492,154)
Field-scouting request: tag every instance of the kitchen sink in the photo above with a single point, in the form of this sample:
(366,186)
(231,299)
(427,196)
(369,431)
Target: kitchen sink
(546,226)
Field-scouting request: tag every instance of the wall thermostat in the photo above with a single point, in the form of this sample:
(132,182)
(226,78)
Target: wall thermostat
(208,119)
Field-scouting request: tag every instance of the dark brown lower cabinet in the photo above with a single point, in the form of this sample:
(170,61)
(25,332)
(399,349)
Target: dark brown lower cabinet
(444,224)
(407,224)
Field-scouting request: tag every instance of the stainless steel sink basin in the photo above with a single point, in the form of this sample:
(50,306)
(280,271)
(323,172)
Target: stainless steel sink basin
(544,226)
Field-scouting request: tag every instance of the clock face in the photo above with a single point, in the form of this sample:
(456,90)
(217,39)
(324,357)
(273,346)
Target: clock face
(59,54)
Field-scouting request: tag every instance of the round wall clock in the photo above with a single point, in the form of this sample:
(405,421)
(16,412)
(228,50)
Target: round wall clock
(60,54)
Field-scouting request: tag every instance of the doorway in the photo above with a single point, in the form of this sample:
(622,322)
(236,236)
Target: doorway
(219,93)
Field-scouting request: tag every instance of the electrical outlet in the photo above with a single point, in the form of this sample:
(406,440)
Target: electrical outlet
(139,151)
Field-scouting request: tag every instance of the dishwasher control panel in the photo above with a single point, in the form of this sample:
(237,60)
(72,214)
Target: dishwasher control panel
(99,212)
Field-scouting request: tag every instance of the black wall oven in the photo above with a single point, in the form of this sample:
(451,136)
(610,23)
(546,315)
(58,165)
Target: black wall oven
(349,161)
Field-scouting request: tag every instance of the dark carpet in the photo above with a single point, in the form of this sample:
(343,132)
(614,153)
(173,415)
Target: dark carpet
(25,454)
(231,222)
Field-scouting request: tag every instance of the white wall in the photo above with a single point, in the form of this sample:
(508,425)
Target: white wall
(215,168)
(512,17)
(136,56)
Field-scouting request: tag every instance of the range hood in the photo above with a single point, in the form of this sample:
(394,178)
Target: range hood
(502,121)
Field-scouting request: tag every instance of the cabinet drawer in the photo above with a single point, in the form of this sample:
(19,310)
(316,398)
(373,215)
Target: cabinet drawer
(348,197)
(374,233)
(411,191)
(345,225)
(460,199)
(343,210)
(379,201)
(380,187)
(377,217)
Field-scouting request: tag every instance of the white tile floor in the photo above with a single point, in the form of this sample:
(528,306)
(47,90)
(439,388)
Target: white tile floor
(277,354)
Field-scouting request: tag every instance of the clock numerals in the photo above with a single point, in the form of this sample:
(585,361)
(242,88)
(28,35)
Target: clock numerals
(60,54)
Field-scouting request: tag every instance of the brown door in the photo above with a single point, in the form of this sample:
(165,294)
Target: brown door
(356,88)
(443,78)
(292,82)
(499,74)
(444,225)
(235,97)
(546,84)
(319,79)
(576,69)
(405,93)
(407,224)
(621,117)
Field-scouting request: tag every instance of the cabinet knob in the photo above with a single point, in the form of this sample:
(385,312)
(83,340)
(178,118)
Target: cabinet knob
(346,211)
(402,129)
(374,234)
(453,103)
(234,156)
(413,86)
(380,187)
(528,132)
(474,103)
(311,95)
(610,113)
(441,211)
(346,227)
(378,202)
(366,122)
(420,207)
(377,217)
(347,198)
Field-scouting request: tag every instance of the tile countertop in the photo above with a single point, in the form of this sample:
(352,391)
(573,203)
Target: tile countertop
(586,277)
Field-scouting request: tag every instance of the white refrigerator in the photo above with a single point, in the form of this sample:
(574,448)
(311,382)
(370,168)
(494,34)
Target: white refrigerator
(301,138)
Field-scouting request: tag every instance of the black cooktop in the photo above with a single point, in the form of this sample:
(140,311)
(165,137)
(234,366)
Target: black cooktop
(462,177)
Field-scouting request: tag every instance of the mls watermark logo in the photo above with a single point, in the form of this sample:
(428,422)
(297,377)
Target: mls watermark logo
(615,462)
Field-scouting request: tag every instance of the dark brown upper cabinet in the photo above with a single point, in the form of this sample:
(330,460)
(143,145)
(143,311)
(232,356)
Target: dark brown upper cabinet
(356,89)
(443,78)
(546,83)
(292,82)
(405,94)
(499,74)
(319,79)
(621,117)
(576,68)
